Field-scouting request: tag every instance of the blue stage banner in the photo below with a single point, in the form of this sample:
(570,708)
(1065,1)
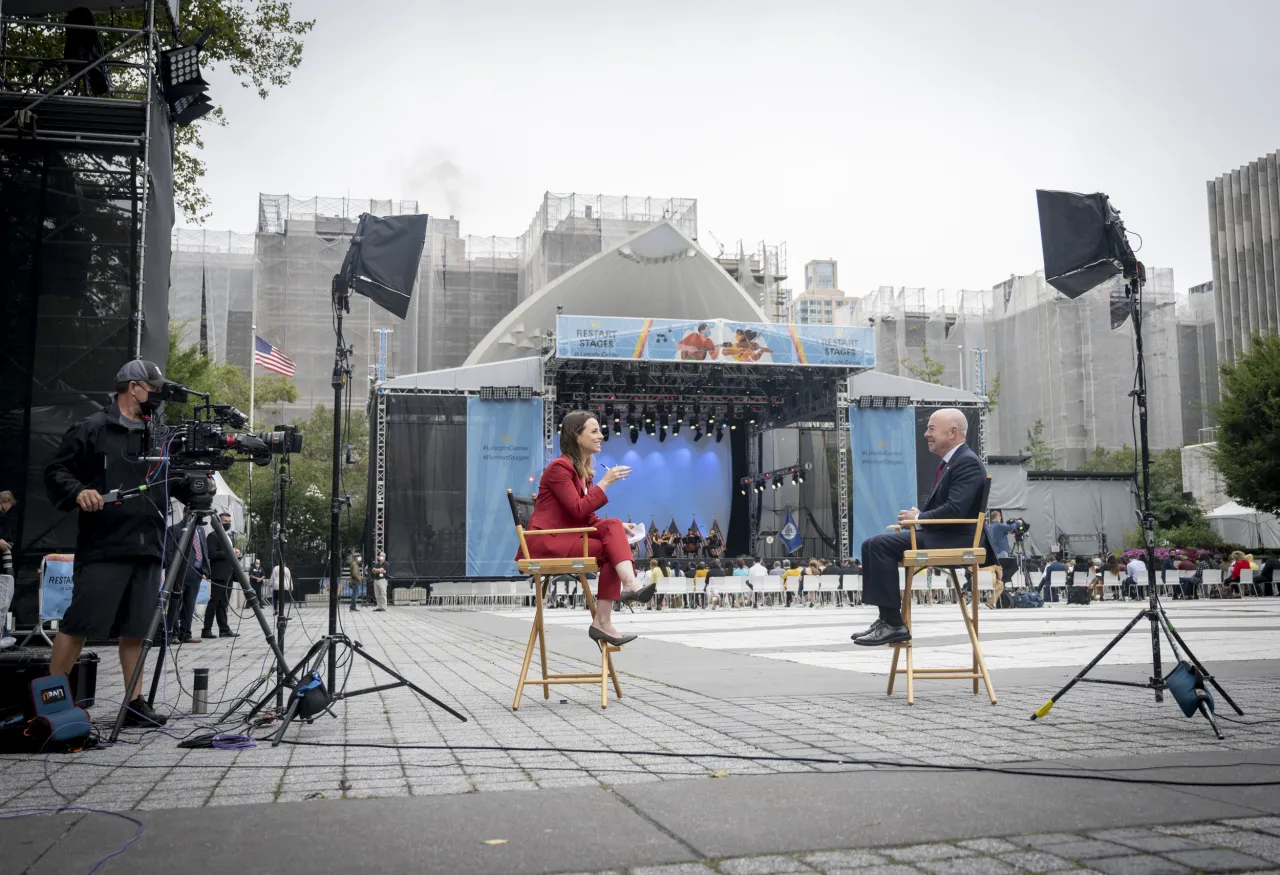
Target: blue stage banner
(714,340)
(884,468)
(55,586)
(504,451)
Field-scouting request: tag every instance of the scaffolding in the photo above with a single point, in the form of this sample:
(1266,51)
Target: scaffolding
(1057,360)
(570,228)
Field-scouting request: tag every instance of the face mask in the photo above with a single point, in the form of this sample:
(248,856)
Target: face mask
(153,402)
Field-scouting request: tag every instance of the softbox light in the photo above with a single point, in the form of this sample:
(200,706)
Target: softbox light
(1082,239)
(382,262)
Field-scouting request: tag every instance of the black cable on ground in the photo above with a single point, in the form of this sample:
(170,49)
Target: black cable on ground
(766,758)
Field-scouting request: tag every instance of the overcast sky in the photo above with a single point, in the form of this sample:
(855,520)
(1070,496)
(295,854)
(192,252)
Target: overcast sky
(905,139)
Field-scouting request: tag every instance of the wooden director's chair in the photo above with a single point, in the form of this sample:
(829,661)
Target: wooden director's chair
(543,570)
(970,558)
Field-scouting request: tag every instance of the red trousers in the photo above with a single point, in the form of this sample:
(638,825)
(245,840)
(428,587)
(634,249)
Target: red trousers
(608,546)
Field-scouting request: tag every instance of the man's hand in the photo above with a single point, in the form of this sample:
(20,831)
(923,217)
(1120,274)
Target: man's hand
(89,500)
(911,514)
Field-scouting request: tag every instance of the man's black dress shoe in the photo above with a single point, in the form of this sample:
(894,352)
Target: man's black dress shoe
(868,631)
(642,595)
(886,634)
(228,634)
(596,635)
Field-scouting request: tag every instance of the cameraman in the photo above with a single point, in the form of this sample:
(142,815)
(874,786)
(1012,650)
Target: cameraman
(119,547)
(1000,531)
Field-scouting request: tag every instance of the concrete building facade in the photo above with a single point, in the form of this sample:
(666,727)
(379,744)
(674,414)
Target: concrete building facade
(1244,243)
(821,302)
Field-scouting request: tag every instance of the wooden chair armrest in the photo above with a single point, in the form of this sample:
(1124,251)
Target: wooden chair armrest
(971,522)
(893,528)
(529,532)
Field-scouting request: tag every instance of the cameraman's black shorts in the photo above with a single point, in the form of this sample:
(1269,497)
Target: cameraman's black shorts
(112,599)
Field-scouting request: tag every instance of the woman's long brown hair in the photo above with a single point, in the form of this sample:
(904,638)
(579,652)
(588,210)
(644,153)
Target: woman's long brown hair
(571,428)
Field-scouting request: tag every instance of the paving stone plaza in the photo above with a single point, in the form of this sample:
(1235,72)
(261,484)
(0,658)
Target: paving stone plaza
(744,742)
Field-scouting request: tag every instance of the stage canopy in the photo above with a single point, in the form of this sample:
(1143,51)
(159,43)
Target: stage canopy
(658,273)
(1237,524)
(526,372)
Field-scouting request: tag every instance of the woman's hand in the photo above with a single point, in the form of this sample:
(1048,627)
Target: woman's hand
(614,474)
(628,528)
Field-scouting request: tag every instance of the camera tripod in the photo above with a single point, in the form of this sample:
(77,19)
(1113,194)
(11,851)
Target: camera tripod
(200,507)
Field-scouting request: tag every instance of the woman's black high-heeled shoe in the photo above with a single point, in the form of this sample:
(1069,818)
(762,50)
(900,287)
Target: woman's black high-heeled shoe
(642,595)
(598,636)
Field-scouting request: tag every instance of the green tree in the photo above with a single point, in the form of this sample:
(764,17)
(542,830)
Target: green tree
(993,394)
(930,369)
(1179,521)
(259,41)
(1248,417)
(1037,447)
(307,495)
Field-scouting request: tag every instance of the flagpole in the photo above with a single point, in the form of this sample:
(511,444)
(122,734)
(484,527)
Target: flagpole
(253,361)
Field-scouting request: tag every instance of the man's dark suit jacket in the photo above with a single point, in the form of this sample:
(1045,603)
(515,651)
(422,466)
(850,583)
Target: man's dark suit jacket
(958,495)
(221,563)
(174,532)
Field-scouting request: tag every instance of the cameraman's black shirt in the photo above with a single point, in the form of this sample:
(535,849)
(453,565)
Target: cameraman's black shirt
(95,454)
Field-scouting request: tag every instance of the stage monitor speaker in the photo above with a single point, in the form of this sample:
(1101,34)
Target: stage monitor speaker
(1082,239)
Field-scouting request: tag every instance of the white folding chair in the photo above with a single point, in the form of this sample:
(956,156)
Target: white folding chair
(1246,579)
(1057,581)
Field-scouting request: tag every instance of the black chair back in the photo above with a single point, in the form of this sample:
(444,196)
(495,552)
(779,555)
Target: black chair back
(521,509)
(986,494)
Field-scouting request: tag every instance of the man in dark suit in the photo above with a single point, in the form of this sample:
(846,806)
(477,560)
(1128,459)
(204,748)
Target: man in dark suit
(956,494)
(221,566)
(182,601)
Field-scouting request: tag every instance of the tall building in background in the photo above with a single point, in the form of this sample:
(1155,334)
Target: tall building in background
(279,277)
(211,292)
(821,302)
(1197,362)
(1244,242)
(1057,360)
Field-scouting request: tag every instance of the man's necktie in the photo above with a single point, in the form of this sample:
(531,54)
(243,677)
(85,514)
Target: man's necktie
(195,540)
(937,475)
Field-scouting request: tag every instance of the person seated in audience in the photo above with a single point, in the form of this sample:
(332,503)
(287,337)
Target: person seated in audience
(1135,571)
(1267,577)
(1231,580)
(656,576)
(790,580)
(1046,590)
(715,571)
(1190,586)
(777,569)
(700,586)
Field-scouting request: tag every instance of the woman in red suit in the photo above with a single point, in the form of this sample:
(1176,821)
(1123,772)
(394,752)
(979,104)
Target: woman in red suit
(568,498)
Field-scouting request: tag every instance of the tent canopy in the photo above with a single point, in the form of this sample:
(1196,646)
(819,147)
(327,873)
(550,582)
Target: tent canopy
(922,394)
(517,372)
(1237,524)
(657,272)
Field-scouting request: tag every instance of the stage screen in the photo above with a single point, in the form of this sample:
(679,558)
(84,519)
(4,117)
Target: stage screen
(675,478)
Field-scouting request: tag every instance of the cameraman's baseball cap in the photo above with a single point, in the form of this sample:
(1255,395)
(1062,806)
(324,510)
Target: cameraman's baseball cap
(141,371)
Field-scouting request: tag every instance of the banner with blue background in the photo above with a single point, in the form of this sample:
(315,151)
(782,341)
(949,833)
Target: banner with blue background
(714,340)
(504,451)
(883,443)
(55,586)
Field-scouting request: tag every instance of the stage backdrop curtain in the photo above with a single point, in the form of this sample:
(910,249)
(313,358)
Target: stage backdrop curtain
(884,468)
(504,451)
(426,487)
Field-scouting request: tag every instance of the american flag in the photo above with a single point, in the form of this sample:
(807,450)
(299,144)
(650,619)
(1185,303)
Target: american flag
(267,356)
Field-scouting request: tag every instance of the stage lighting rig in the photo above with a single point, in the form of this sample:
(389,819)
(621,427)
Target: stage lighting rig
(184,88)
(635,432)
(719,432)
(697,432)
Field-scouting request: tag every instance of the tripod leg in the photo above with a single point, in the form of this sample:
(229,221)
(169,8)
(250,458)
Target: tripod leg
(360,651)
(1053,700)
(159,670)
(251,598)
(177,569)
(1208,715)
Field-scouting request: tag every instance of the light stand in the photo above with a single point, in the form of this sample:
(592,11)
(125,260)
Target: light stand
(1135,278)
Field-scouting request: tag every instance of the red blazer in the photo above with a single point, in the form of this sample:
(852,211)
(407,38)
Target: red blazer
(563,502)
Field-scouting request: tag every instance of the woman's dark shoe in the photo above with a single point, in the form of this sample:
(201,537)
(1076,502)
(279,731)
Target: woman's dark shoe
(643,594)
(598,636)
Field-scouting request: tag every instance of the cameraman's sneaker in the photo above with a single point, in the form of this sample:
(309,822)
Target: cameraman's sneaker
(142,714)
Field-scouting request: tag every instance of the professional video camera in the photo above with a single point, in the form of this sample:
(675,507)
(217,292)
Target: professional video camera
(209,440)
(1020,527)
